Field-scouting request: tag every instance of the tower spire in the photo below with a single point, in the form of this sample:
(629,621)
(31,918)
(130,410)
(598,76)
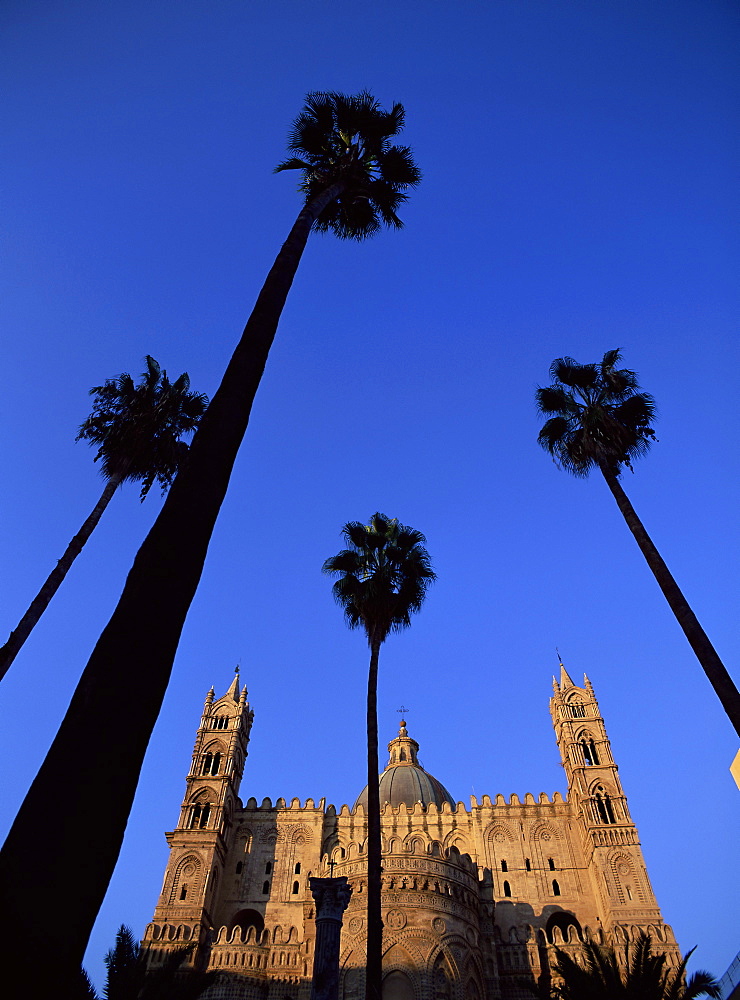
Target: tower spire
(234,689)
(565,681)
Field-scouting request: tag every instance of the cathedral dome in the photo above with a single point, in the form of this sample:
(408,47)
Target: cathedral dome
(404,781)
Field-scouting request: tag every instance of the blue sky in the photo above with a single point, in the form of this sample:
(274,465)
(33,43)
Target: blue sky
(579,194)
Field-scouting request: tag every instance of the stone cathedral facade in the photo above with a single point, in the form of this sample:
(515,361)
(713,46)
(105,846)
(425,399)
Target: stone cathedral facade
(475,898)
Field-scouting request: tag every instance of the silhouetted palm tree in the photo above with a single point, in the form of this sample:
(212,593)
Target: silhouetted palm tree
(383,577)
(138,431)
(600,419)
(131,977)
(645,976)
(347,158)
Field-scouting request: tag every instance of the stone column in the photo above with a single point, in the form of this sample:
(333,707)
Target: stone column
(331,896)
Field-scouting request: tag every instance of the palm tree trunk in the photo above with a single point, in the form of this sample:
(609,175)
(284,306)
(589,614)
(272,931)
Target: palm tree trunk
(54,580)
(87,782)
(713,666)
(374,970)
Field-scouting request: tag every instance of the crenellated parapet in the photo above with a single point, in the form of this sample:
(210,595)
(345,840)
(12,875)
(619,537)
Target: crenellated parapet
(272,954)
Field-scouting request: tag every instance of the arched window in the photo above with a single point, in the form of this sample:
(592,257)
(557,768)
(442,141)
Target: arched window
(268,867)
(265,888)
(528,864)
(187,879)
(507,889)
(564,921)
(604,805)
(590,754)
(199,815)
(207,764)
(220,722)
(555,887)
(504,866)
(297,869)
(295,888)
(577,710)
(551,863)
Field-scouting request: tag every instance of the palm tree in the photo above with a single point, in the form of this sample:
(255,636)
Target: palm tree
(645,976)
(383,576)
(131,977)
(600,419)
(137,430)
(354,181)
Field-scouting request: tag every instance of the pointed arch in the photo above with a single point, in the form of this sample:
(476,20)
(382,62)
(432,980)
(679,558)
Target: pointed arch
(220,719)
(416,842)
(187,879)
(457,840)
(200,809)
(300,835)
(604,805)
(545,831)
(625,877)
(558,924)
(575,704)
(398,985)
(444,976)
(352,985)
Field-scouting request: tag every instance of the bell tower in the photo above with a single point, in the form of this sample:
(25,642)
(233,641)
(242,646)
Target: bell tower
(610,841)
(199,843)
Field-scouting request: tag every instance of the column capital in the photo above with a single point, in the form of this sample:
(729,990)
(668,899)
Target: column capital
(332,896)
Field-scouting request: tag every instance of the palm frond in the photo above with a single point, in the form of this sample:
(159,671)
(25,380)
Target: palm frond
(702,984)
(138,429)
(600,417)
(384,574)
(292,163)
(644,976)
(555,399)
(85,989)
(610,359)
(344,140)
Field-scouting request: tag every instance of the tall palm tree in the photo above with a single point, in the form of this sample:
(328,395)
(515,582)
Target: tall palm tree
(354,181)
(600,419)
(645,975)
(138,431)
(383,576)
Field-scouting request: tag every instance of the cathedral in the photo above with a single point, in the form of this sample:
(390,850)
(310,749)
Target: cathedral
(475,898)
